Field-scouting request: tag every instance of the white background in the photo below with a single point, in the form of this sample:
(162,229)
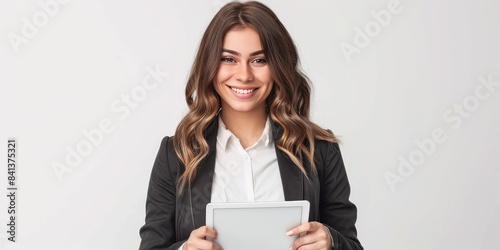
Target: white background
(397,90)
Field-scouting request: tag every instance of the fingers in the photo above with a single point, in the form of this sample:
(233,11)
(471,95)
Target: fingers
(317,237)
(306,227)
(197,240)
(204,231)
(312,241)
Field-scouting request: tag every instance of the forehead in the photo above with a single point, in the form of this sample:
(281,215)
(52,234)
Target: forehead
(243,40)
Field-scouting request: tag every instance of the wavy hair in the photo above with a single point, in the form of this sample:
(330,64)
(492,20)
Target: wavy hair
(288,103)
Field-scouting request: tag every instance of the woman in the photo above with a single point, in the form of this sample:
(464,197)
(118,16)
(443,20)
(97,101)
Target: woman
(247,137)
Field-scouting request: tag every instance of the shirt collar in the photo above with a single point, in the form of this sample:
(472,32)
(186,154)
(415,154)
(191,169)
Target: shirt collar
(224,134)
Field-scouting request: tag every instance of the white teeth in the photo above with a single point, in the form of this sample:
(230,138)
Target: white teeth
(243,91)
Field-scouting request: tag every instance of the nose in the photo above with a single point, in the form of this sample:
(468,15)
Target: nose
(244,73)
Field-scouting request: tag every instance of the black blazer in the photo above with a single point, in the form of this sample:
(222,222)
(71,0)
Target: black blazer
(170,218)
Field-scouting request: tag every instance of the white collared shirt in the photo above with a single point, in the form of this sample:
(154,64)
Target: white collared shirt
(246,175)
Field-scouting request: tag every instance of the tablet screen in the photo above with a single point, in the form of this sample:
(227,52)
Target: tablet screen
(257,225)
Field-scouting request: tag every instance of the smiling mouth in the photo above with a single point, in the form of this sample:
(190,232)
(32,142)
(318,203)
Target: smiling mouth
(242,91)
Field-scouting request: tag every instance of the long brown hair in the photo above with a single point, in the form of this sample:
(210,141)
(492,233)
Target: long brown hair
(288,104)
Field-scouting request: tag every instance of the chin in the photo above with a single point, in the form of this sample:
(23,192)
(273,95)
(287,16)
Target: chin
(243,107)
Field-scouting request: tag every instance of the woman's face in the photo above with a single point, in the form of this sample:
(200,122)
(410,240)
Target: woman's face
(244,79)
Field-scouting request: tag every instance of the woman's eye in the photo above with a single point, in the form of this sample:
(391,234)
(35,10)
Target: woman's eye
(227,59)
(260,61)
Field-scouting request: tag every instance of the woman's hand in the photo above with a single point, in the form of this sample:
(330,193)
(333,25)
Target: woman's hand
(197,240)
(317,237)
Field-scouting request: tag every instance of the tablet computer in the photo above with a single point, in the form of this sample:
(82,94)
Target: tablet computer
(256,225)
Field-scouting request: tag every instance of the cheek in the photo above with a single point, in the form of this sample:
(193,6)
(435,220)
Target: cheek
(223,74)
(269,89)
(264,73)
(266,78)
(269,82)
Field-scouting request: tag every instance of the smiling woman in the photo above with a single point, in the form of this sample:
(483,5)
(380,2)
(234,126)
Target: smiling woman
(247,137)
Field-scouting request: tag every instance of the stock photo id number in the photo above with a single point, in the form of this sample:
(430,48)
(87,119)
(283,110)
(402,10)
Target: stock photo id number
(12,195)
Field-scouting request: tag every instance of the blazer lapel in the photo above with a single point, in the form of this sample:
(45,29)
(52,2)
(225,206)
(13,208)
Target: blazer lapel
(291,177)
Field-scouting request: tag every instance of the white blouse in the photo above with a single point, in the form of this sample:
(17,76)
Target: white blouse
(246,175)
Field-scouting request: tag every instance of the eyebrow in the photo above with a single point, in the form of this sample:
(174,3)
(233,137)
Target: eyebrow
(258,52)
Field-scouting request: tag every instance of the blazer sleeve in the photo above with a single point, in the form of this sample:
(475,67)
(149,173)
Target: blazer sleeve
(337,213)
(158,231)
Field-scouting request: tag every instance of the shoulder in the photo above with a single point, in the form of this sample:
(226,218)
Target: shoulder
(168,141)
(327,156)
(326,149)
(166,157)
(167,145)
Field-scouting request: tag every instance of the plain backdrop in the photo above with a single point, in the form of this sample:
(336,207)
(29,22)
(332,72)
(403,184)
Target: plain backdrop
(414,98)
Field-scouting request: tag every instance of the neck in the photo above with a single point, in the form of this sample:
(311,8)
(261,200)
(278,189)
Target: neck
(246,126)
